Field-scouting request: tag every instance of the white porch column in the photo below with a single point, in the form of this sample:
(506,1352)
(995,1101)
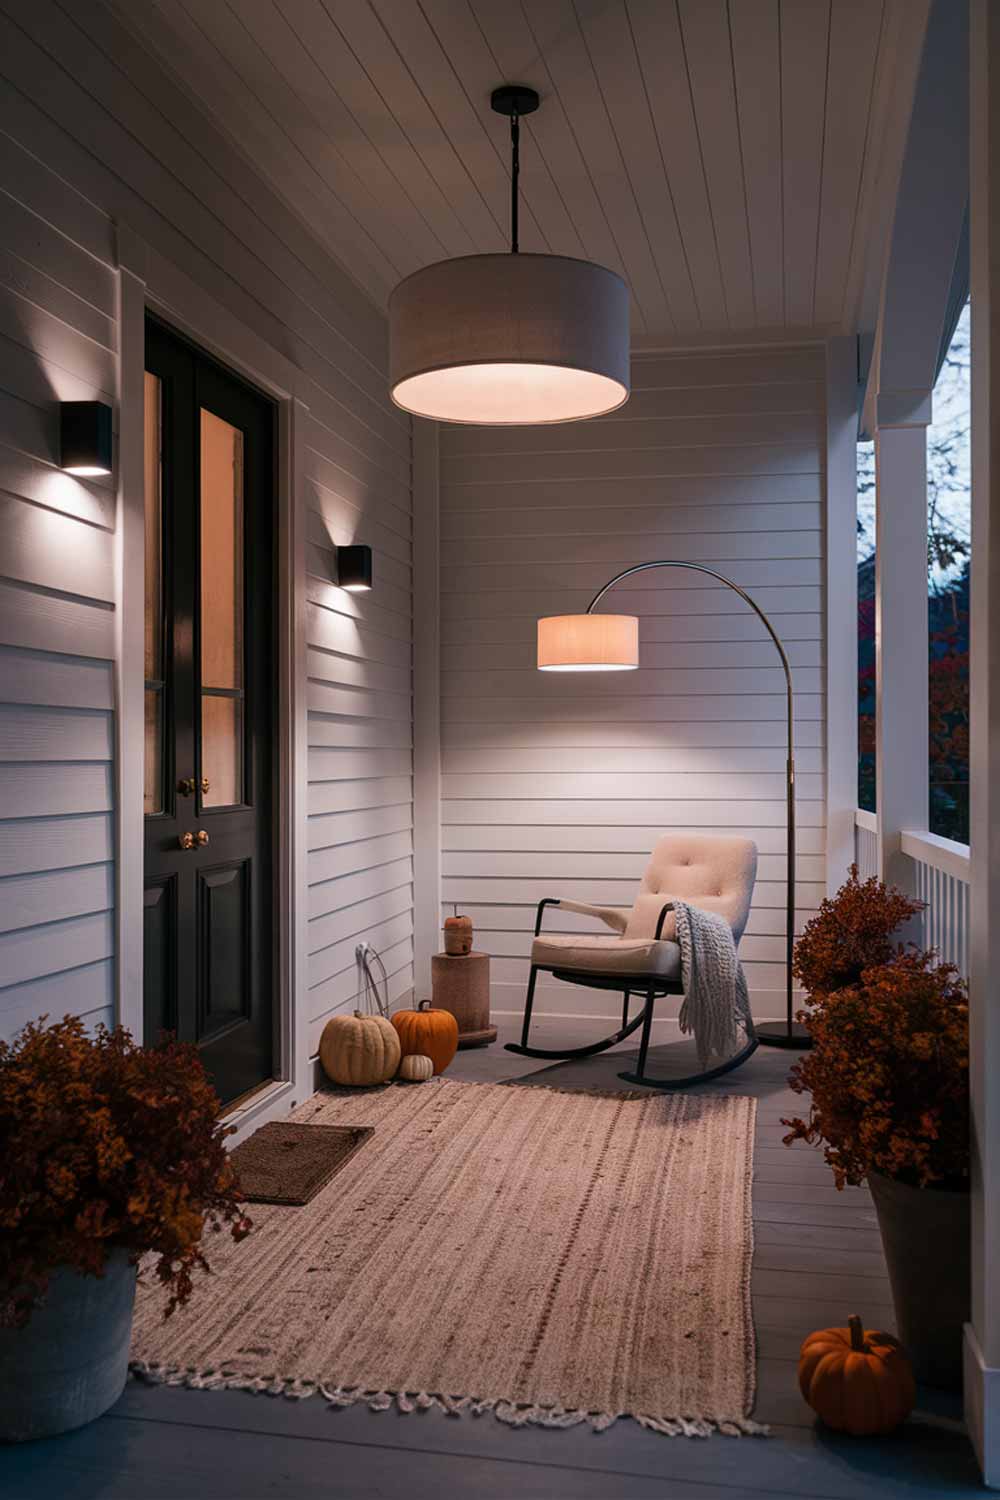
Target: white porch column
(841,607)
(926,234)
(900,625)
(982,1367)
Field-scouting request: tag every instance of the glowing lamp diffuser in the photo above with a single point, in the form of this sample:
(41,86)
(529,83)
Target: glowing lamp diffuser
(588,643)
(86,444)
(507,339)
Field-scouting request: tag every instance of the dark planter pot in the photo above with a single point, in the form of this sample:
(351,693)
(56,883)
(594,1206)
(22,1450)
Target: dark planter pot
(926,1236)
(70,1361)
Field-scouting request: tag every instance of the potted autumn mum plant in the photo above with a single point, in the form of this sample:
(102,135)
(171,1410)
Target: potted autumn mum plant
(108,1151)
(888,1076)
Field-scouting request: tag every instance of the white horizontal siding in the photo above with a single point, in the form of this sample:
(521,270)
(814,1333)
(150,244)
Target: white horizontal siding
(360,720)
(57,593)
(95,133)
(559,786)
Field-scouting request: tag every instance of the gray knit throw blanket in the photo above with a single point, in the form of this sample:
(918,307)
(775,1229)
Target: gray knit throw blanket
(716,1002)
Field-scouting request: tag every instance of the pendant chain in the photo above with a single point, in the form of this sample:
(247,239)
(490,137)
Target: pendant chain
(515,171)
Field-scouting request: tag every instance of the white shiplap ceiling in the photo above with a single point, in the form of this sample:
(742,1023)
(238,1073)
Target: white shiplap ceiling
(735,162)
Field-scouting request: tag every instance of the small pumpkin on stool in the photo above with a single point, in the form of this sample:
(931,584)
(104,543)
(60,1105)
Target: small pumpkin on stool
(457,935)
(427,1032)
(858,1380)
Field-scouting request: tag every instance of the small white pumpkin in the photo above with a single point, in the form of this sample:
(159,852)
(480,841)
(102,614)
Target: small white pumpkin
(416,1069)
(359,1050)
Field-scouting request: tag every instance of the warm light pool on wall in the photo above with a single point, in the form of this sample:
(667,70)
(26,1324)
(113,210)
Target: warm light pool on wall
(510,338)
(86,444)
(595,642)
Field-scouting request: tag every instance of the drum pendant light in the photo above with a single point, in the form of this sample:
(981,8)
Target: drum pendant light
(510,338)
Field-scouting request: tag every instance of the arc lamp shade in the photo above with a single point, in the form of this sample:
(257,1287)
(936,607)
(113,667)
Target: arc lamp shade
(588,643)
(509,339)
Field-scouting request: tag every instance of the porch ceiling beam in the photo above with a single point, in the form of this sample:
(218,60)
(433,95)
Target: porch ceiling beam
(916,295)
(927,231)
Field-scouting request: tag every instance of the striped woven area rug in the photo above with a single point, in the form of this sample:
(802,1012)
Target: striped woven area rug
(551,1257)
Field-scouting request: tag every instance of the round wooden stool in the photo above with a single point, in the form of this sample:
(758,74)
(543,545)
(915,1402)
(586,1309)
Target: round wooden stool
(460,982)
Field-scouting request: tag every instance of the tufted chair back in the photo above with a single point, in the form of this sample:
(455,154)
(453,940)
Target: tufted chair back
(712,871)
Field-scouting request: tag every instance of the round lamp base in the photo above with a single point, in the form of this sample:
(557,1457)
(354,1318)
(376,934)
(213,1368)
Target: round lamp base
(780,1034)
(514,99)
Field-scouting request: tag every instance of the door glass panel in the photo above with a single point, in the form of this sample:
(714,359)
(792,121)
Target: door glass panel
(153,779)
(221,611)
(221,553)
(221,750)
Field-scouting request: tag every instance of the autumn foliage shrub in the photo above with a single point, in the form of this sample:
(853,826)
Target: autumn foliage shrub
(889,1076)
(105,1145)
(888,1072)
(851,932)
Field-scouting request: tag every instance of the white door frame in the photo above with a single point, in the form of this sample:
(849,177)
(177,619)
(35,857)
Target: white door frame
(149,281)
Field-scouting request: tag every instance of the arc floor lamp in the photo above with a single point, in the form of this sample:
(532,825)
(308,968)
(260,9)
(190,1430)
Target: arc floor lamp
(610,643)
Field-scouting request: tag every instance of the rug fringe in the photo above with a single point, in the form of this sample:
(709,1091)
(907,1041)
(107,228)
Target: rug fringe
(296,1389)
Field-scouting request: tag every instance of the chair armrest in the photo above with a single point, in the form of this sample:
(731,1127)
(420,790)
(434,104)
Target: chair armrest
(610,915)
(659,921)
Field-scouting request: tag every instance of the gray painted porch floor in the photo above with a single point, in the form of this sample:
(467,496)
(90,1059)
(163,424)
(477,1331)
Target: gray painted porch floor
(817,1259)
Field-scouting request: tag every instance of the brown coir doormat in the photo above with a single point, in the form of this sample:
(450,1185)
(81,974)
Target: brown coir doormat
(287,1163)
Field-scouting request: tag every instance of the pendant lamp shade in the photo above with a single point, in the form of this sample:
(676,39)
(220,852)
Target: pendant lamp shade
(501,339)
(506,340)
(588,643)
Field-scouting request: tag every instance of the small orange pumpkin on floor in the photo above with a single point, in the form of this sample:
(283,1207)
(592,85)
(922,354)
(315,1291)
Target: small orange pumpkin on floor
(857,1379)
(428,1032)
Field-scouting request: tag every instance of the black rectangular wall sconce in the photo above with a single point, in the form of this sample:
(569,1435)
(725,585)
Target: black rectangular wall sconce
(86,444)
(354,568)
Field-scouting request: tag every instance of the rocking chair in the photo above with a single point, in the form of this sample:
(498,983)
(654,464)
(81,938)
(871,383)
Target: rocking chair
(711,872)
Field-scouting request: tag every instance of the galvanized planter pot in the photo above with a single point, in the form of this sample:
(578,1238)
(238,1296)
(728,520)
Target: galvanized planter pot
(926,1236)
(70,1362)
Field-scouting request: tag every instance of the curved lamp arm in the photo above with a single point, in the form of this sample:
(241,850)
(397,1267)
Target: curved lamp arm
(787,1034)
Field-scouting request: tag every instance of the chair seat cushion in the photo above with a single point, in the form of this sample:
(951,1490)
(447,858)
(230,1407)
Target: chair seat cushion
(607,955)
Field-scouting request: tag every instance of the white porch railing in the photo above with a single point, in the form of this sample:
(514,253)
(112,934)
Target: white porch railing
(866,844)
(941,881)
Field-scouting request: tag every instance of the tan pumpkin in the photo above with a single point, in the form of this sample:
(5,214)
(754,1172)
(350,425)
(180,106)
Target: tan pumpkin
(359,1050)
(416,1068)
(428,1033)
(857,1379)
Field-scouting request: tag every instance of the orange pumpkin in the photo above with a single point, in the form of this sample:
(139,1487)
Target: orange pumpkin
(427,1032)
(857,1379)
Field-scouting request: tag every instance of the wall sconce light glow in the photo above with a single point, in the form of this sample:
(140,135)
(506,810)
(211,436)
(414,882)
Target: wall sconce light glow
(588,643)
(354,568)
(86,442)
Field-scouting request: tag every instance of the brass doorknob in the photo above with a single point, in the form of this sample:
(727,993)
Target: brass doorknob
(187,785)
(193,840)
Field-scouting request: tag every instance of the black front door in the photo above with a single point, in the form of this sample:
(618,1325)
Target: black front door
(210,708)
